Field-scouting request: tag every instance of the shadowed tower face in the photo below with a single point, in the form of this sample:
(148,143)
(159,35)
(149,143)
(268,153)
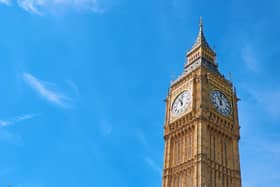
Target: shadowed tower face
(201,129)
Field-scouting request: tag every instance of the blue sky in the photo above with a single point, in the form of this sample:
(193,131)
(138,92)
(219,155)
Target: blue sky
(82,86)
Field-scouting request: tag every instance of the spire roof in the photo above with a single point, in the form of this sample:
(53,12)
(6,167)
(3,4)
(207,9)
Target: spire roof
(201,40)
(201,48)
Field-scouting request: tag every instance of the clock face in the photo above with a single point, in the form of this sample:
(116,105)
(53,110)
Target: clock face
(220,102)
(181,103)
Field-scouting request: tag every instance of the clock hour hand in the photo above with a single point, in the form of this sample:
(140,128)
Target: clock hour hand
(181,102)
(220,99)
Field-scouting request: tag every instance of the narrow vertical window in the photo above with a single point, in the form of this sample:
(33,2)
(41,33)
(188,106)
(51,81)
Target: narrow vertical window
(187,146)
(174,151)
(226,162)
(214,150)
(179,181)
(225,150)
(181,149)
(186,179)
(222,152)
(210,147)
(191,145)
(177,149)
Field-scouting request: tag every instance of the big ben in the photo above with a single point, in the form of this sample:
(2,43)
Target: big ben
(201,129)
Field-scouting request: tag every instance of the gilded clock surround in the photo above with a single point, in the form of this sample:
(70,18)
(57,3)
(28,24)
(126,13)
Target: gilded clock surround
(187,85)
(222,100)
(181,103)
(201,144)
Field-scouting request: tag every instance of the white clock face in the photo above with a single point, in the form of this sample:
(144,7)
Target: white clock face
(220,102)
(181,103)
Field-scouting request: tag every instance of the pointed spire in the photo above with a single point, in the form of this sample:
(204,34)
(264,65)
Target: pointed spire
(201,40)
(201,24)
(201,48)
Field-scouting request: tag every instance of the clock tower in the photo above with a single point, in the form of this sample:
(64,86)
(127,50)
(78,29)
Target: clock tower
(201,129)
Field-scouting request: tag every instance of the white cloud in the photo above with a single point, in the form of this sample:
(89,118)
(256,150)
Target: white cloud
(17,119)
(74,87)
(9,137)
(250,58)
(39,7)
(4,123)
(6,2)
(24,117)
(31,6)
(153,165)
(47,90)
(140,135)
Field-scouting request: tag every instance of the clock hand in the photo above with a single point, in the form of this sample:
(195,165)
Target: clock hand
(181,102)
(221,101)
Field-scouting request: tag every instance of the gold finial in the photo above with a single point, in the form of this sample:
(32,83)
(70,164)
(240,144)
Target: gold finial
(201,23)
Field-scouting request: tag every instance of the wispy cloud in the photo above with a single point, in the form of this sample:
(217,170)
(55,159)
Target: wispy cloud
(47,90)
(151,163)
(39,7)
(249,56)
(24,117)
(6,2)
(4,123)
(140,135)
(74,87)
(17,119)
(31,6)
